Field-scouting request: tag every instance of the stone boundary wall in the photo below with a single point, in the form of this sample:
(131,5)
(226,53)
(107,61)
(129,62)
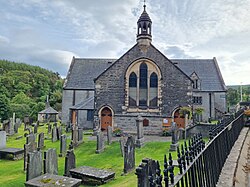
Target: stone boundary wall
(127,123)
(199,128)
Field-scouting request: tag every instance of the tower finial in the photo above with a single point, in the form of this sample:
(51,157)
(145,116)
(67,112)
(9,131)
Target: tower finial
(144,5)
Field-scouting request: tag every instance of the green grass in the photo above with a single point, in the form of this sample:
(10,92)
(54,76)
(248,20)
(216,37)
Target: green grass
(12,174)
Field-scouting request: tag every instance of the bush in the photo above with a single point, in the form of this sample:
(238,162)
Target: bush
(117,132)
(166,132)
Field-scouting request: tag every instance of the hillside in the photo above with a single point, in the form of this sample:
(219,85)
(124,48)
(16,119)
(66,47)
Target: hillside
(23,89)
(234,94)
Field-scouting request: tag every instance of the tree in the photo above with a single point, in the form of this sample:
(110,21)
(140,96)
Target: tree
(4,107)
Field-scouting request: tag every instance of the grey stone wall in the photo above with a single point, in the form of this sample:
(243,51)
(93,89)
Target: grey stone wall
(110,86)
(67,102)
(199,128)
(127,123)
(82,120)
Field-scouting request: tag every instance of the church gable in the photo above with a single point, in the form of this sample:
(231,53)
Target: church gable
(113,85)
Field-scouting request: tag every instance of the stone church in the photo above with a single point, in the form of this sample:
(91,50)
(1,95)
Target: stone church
(142,82)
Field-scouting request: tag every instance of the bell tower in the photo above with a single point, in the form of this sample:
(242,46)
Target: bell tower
(144,29)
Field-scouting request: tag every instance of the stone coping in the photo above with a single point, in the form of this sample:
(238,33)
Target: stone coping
(51,180)
(90,175)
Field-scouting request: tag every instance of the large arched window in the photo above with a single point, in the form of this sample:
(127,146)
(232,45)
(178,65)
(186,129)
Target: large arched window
(143,78)
(153,90)
(143,91)
(132,89)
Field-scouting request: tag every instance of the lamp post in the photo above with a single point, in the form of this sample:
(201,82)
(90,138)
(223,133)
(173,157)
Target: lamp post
(241,92)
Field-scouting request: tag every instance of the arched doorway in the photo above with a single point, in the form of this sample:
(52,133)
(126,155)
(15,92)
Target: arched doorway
(106,118)
(179,119)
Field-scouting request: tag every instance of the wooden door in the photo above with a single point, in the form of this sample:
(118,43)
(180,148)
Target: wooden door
(73,117)
(179,119)
(106,118)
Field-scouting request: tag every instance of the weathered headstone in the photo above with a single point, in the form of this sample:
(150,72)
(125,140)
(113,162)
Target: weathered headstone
(96,125)
(147,167)
(54,134)
(35,128)
(30,138)
(30,146)
(109,135)
(70,162)
(74,135)
(6,126)
(50,162)
(63,145)
(129,154)
(174,145)
(34,165)
(18,122)
(100,142)
(16,126)
(140,134)
(40,141)
(11,127)
(49,128)
(59,132)
(80,135)
(2,139)
(122,144)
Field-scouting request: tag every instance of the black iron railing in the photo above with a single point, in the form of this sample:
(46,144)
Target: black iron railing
(199,165)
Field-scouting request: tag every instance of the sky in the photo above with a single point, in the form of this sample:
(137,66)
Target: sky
(48,33)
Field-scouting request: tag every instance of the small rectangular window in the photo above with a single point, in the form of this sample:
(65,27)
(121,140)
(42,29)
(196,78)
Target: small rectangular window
(197,100)
(90,115)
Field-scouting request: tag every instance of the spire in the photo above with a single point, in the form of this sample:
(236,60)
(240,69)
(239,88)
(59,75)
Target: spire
(144,27)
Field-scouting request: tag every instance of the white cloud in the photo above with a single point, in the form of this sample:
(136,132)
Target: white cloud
(51,32)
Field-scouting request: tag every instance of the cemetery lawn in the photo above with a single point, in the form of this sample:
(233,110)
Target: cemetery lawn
(12,174)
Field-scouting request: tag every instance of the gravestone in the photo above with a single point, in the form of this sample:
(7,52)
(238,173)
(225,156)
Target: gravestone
(49,128)
(2,139)
(109,135)
(173,130)
(147,167)
(54,134)
(70,162)
(74,135)
(96,125)
(35,128)
(30,138)
(80,135)
(6,126)
(122,144)
(16,126)
(92,176)
(99,142)
(129,154)
(30,146)
(140,134)
(50,162)
(18,122)
(59,132)
(40,141)
(51,180)
(11,127)
(63,145)
(34,165)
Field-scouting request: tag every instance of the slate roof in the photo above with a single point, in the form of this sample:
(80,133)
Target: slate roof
(206,69)
(87,104)
(82,72)
(48,110)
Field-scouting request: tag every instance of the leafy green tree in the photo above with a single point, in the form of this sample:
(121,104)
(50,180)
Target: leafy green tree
(4,107)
